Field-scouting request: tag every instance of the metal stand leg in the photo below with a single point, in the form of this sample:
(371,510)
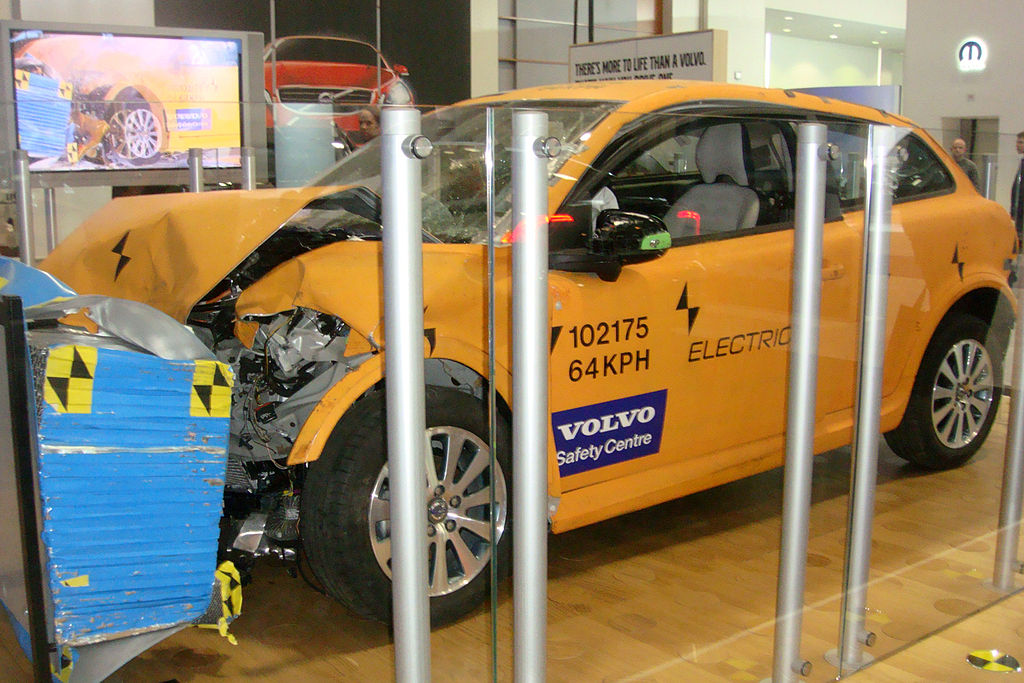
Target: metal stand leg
(195,169)
(1008,532)
(248,168)
(51,219)
(402,148)
(23,197)
(807,248)
(529,387)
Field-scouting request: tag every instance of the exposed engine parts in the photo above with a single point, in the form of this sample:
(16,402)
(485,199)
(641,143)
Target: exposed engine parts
(295,358)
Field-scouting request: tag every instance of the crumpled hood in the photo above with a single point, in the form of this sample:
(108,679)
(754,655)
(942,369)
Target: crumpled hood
(170,250)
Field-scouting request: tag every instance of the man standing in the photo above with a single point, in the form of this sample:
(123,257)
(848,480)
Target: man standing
(959,152)
(9,240)
(1016,201)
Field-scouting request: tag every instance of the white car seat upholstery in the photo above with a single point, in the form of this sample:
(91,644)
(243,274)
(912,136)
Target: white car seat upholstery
(723,202)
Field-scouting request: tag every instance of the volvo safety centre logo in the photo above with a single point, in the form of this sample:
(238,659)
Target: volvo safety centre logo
(972,54)
(603,434)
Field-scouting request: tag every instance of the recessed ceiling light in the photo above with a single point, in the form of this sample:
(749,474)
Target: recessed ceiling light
(788,18)
(884,32)
(787,30)
(837,25)
(833,36)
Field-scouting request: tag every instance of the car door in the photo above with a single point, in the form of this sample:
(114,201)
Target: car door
(677,370)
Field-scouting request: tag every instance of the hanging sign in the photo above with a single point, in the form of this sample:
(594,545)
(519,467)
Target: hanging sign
(697,55)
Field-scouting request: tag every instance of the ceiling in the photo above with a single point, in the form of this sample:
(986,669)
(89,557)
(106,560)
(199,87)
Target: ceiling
(813,27)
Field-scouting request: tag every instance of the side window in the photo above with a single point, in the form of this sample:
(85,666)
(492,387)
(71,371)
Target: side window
(706,177)
(672,156)
(919,171)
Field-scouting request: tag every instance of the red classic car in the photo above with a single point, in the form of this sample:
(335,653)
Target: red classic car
(342,74)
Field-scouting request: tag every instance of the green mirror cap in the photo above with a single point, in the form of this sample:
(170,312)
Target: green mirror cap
(656,241)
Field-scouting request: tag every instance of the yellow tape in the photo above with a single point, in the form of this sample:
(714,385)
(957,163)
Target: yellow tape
(66,664)
(76,581)
(230,599)
(211,389)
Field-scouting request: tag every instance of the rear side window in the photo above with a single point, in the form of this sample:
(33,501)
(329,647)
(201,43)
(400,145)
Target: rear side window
(918,172)
(845,175)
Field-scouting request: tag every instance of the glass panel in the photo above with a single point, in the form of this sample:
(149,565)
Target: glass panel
(667,385)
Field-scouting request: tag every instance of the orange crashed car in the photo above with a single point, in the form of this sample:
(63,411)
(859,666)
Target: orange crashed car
(668,353)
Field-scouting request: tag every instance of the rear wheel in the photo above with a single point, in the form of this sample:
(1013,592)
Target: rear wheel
(346,508)
(955,396)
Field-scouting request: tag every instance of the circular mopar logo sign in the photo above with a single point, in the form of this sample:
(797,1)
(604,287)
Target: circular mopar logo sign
(971,54)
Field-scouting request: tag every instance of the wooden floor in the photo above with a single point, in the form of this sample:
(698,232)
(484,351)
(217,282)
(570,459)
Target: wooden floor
(681,592)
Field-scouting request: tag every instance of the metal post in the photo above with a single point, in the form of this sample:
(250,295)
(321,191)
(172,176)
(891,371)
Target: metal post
(35,619)
(803,372)
(867,410)
(529,387)
(195,169)
(1008,532)
(50,204)
(23,197)
(402,148)
(991,167)
(248,168)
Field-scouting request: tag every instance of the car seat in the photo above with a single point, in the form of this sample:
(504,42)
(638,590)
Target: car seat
(723,201)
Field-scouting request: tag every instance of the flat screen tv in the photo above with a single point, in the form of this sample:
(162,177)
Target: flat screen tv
(85,103)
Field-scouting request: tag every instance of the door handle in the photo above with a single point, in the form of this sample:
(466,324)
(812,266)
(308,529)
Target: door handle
(832,271)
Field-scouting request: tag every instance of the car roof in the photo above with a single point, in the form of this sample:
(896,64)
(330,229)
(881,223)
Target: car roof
(644,96)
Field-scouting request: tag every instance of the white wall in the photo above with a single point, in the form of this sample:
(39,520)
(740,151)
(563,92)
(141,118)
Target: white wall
(744,21)
(105,12)
(483,47)
(802,63)
(882,12)
(934,88)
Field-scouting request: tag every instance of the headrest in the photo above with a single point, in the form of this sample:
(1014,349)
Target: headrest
(720,152)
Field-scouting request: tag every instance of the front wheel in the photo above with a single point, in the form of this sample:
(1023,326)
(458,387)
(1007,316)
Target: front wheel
(955,396)
(135,133)
(346,507)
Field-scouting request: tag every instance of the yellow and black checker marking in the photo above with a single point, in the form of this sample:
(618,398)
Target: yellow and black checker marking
(993,660)
(211,390)
(67,664)
(230,598)
(69,378)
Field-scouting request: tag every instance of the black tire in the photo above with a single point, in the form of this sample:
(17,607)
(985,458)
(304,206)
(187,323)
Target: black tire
(955,395)
(348,484)
(136,133)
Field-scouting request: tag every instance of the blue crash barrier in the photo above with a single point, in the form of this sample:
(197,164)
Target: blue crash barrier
(129,452)
(44,114)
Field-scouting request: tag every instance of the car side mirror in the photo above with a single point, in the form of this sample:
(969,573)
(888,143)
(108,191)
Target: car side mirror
(620,237)
(630,236)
